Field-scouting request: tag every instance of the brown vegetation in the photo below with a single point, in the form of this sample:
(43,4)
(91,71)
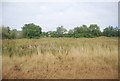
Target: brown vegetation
(61,58)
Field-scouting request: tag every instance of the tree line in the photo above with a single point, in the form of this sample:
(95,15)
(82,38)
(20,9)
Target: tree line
(35,31)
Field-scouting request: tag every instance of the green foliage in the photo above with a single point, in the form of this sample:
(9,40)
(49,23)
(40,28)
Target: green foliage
(71,31)
(61,30)
(52,33)
(110,31)
(82,29)
(44,34)
(94,30)
(34,31)
(70,35)
(13,34)
(5,32)
(31,31)
(19,34)
(87,35)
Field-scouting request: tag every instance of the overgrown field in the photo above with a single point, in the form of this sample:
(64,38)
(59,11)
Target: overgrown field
(60,58)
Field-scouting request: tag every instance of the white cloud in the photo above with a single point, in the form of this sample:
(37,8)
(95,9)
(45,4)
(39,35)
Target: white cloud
(50,15)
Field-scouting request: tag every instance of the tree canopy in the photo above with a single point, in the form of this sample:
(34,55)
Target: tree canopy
(31,30)
(60,30)
(35,31)
(110,31)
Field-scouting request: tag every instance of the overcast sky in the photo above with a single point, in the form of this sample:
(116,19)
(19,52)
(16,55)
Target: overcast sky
(50,15)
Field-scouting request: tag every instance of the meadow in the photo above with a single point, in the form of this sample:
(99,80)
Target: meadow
(60,58)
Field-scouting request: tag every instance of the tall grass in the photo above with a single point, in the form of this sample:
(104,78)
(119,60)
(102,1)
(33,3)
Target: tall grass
(82,58)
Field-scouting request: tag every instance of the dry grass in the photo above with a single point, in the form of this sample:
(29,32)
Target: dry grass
(61,58)
(0,53)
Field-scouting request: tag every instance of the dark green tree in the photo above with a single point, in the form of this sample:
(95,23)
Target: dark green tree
(94,30)
(31,30)
(44,34)
(13,33)
(110,31)
(5,32)
(81,29)
(52,33)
